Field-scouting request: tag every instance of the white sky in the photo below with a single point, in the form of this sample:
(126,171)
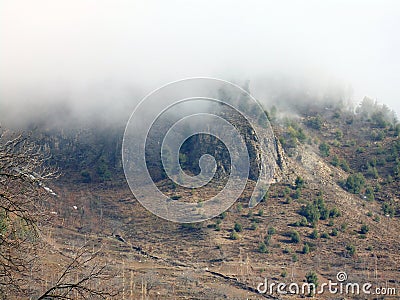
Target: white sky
(69,48)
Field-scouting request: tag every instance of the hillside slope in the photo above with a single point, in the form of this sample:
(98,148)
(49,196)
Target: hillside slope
(333,208)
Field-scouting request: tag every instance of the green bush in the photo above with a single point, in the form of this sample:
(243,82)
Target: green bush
(335,161)
(324,148)
(238,227)
(355,183)
(265,197)
(262,248)
(344,165)
(271,230)
(397,130)
(286,191)
(338,134)
(377,135)
(297,194)
(306,249)
(314,234)
(360,150)
(102,169)
(301,136)
(372,162)
(299,182)
(372,172)
(267,239)
(379,119)
(303,222)
(311,212)
(234,235)
(294,237)
(312,278)
(369,193)
(364,229)
(334,213)
(389,179)
(381,161)
(388,209)
(324,235)
(86,176)
(351,250)
(315,122)
(254,226)
(320,204)
(336,143)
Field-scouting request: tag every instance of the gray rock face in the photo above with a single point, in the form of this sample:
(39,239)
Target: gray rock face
(96,152)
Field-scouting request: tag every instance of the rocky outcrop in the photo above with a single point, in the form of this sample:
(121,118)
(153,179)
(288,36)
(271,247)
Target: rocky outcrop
(94,153)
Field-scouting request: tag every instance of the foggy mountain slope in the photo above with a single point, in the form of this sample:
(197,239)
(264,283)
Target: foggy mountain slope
(318,151)
(119,120)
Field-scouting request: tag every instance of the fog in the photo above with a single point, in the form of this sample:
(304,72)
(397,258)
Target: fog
(100,57)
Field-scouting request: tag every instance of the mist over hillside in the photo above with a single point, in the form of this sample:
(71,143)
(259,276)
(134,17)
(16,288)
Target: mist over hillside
(97,60)
(112,106)
(266,149)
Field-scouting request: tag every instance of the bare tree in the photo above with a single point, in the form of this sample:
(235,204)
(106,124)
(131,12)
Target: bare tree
(24,199)
(21,173)
(81,278)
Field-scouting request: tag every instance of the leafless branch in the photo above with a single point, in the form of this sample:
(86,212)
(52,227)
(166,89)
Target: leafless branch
(77,278)
(23,195)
